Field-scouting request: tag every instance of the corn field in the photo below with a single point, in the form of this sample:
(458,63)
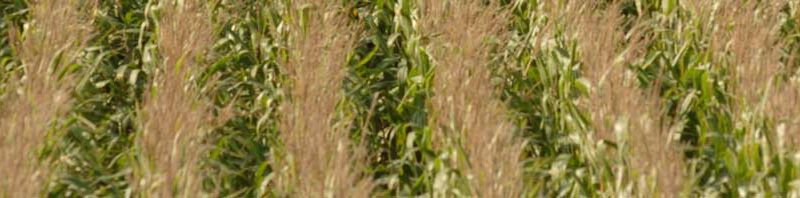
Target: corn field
(400,98)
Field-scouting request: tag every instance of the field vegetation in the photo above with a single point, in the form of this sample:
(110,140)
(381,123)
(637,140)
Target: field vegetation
(399,98)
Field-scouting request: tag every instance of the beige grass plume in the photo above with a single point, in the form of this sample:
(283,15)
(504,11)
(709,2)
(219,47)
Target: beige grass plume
(321,161)
(620,109)
(174,116)
(52,40)
(466,107)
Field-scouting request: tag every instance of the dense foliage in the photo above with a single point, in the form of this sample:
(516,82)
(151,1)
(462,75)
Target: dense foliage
(684,98)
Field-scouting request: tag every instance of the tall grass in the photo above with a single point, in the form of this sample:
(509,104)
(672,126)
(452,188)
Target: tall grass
(41,93)
(621,112)
(399,98)
(694,80)
(785,90)
(467,111)
(319,161)
(173,115)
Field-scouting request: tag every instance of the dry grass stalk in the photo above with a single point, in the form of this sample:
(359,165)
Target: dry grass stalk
(599,40)
(57,29)
(783,97)
(783,105)
(319,161)
(466,108)
(174,116)
(748,33)
(750,38)
(599,31)
(653,151)
(620,109)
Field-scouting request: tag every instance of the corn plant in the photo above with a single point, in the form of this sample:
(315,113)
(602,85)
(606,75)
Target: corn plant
(93,149)
(789,32)
(730,147)
(538,70)
(14,14)
(713,83)
(387,89)
(246,77)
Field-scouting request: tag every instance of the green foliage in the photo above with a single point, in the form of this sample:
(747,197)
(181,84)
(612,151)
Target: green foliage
(388,86)
(731,145)
(679,64)
(539,74)
(790,34)
(245,75)
(93,151)
(14,13)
